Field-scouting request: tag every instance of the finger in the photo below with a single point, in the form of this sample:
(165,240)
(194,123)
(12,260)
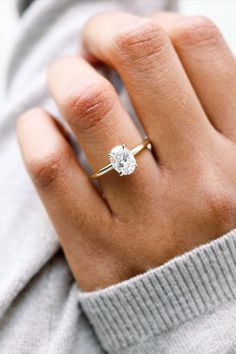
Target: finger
(211,67)
(156,81)
(70,199)
(92,108)
(166,19)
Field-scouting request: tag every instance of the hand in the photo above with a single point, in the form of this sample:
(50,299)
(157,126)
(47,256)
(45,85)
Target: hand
(182,195)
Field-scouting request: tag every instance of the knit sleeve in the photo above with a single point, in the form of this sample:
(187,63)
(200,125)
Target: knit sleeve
(172,308)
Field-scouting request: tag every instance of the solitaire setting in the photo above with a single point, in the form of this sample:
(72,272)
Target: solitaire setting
(122,160)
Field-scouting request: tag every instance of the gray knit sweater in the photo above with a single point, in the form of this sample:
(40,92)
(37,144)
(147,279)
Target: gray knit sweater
(186,306)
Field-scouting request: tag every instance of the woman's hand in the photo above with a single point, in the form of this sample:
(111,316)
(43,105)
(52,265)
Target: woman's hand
(182,82)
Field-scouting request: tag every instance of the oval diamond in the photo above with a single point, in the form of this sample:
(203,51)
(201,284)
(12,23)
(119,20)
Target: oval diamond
(122,160)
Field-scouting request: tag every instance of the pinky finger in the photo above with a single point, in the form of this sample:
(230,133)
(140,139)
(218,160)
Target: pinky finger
(66,191)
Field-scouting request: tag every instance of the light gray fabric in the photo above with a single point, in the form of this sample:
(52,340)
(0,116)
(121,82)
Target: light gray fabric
(157,309)
(186,306)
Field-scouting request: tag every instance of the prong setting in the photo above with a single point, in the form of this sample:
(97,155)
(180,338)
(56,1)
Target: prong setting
(122,160)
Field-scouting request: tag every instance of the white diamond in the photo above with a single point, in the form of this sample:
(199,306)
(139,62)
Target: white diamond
(122,160)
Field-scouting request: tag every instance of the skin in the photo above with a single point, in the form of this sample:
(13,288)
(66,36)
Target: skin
(181,77)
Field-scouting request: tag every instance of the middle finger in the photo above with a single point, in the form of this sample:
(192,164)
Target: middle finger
(156,81)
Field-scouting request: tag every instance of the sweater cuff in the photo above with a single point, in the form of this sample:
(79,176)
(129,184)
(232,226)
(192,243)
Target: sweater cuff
(129,313)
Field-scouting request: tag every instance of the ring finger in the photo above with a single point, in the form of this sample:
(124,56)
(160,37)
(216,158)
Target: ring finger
(93,110)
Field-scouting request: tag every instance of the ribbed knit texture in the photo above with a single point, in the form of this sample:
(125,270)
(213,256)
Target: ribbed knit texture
(164,298)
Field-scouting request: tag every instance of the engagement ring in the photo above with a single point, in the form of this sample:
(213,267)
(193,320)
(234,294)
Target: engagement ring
(122,159)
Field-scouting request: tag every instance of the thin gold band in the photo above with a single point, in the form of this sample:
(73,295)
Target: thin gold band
(134,151)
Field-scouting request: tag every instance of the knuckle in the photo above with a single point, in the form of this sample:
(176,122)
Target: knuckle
(47,167)
(198,30)
(138,42)
(219,205)
(87,108)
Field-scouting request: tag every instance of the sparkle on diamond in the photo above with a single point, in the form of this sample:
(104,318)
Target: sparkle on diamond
(122,160)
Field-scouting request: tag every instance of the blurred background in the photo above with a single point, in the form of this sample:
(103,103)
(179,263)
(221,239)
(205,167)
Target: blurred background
(222,12)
